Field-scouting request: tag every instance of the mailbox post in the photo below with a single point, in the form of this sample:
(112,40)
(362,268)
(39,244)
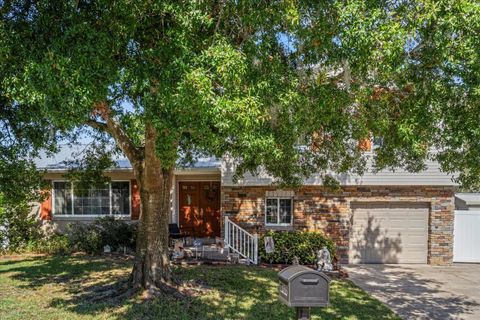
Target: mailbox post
(303,288)
(302,313)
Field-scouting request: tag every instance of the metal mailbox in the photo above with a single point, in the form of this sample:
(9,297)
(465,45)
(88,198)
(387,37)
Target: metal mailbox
(303,287)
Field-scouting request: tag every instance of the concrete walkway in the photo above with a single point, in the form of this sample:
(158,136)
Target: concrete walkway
(423,291)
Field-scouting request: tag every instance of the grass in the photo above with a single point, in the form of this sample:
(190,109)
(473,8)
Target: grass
(58,288)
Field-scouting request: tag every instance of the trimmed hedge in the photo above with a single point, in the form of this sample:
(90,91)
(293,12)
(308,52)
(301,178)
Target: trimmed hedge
(290,244)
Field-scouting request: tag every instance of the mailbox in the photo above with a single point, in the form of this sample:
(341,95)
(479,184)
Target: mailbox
(303,287)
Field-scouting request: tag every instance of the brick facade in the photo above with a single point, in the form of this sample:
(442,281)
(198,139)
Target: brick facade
(317,209)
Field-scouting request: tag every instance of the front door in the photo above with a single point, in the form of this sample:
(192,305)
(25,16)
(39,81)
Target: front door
(199,208)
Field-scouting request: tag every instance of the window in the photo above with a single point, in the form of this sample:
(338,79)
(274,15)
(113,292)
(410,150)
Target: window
(278,211)
(114,198)
(93,201)
(62,197)
(120,197)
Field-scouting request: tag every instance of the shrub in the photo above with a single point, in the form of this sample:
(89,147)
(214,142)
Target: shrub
(84,237)
(290,244)
(117,233)
(56,244)
(91,238)
(18,227)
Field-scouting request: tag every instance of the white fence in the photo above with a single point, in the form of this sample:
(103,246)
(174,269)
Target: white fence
(466,236)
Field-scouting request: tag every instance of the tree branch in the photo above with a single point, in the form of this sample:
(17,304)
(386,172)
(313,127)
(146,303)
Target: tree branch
(219,19)
(121,138)
(347,75)
(96,125)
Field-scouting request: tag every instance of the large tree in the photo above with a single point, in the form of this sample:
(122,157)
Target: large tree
(288,86)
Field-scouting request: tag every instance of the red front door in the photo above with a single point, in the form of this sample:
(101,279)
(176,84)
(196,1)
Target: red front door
(199,208)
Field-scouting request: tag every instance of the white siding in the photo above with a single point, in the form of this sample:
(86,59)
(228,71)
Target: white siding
(466,236)
(432,176)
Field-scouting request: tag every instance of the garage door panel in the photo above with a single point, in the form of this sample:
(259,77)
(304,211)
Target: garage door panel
(389,232)
(372,216)
(412,259)
(376,256)
(411,231)
(412,240)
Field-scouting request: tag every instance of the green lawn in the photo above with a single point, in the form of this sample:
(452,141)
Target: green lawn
(60,288)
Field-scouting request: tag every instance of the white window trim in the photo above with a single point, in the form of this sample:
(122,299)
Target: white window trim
(267,224)
(93,215)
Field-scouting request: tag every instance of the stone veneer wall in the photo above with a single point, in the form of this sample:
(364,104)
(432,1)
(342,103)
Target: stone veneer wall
(317,209)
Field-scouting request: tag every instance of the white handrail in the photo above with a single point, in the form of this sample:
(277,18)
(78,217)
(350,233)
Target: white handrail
(241,241)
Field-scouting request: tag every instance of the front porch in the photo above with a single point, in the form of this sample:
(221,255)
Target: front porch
(196,202)
(237,246)
(202,232)
(203,250)
(199,208)
(196,213)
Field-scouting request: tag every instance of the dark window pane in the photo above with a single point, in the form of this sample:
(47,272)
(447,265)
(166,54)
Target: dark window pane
(285,212)
(62,194)
(86,201)
(92,201)
(95,210)
(78,210)
(96,202)
(271,211)
(121,197)
(104,202)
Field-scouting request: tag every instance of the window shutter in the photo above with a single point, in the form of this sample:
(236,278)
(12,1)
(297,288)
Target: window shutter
(46,206)
(365,144)
(135,200)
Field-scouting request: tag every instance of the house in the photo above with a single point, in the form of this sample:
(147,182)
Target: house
(384,217)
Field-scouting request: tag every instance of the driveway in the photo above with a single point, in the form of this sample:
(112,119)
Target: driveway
(423,291)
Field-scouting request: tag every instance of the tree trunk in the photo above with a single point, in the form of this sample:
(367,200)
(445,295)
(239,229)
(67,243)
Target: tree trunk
(151,269)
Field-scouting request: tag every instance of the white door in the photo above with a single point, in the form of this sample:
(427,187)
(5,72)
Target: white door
(389,232)
(466,236)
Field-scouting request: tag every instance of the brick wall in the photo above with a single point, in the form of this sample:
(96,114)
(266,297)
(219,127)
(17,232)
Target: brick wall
(317,209)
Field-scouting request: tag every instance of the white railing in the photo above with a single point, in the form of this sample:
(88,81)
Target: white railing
(240,241)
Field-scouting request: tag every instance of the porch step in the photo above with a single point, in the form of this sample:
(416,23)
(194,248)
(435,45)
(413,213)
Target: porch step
(208,253)
(215,254)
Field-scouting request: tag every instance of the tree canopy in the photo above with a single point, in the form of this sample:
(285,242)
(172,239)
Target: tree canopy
(255,79)
(288,86)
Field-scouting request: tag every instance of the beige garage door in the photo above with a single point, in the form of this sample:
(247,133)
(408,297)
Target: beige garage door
(392,232)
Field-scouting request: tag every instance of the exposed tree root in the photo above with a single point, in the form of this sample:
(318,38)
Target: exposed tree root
(179,291)
(126,288)
(111,292)
(123,290)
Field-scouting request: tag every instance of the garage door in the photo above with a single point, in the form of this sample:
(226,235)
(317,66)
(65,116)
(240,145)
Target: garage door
(392,232)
